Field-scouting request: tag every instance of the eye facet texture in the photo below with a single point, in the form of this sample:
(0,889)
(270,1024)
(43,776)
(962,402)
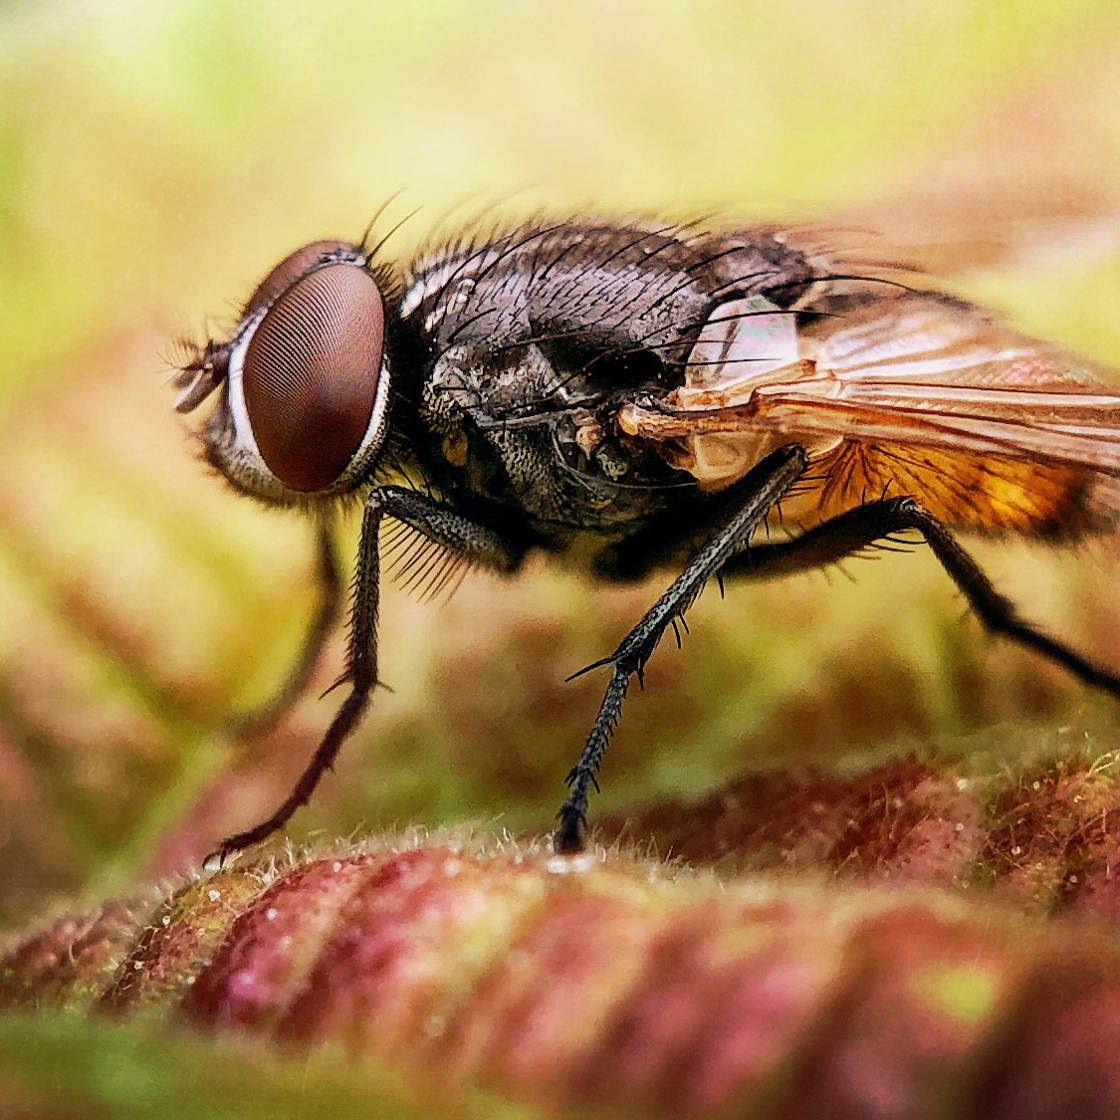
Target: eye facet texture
(310,374)
(290,269)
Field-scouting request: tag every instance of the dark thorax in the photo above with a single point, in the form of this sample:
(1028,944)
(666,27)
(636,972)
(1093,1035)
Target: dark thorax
(521,352)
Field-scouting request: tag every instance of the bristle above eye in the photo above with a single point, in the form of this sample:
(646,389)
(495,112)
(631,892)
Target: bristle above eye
(310,375)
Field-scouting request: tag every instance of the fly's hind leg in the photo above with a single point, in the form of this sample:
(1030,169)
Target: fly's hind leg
(329,578)
(866,524)
(757,493)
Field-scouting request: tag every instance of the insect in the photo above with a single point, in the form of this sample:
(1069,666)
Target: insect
(636,398)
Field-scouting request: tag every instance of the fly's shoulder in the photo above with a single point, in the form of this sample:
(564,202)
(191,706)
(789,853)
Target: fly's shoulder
(597,274)
(527,346)
(598,306)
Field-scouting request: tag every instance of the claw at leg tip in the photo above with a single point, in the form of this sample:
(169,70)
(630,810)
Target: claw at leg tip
(220,858)
(568,840)
(214,861)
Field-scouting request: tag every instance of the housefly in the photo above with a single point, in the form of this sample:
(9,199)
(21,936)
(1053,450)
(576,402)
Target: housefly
(639,398)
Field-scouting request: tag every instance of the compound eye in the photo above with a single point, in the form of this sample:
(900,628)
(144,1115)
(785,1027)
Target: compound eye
(310,375)
(289,270)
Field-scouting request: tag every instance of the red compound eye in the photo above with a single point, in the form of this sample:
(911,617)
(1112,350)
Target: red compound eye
(289,270)
(311,370)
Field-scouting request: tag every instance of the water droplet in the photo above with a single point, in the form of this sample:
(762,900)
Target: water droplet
(1036,784)
(270,914)
(336,867)
(137,966)
(213,895)
(959,826)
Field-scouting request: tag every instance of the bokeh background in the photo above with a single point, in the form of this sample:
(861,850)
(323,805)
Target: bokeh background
(155,160)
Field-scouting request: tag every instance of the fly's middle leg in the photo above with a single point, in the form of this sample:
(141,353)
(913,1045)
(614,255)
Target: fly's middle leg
(760,490)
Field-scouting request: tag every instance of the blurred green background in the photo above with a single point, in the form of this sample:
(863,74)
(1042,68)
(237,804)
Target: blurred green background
(155,160)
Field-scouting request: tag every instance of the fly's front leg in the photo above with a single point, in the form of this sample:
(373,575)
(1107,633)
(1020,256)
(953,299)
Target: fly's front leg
(439,523)
(329,577)
(760,489)
(863,526)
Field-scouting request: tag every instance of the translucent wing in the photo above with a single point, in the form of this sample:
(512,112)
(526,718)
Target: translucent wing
(898,391)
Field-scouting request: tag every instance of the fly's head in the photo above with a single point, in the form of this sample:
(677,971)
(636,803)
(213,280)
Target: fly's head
(304,380)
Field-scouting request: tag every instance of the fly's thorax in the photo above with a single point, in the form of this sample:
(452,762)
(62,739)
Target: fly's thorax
(304,407)
(470,446)
(500,425)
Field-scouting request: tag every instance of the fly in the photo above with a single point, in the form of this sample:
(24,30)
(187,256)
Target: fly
(657,391)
